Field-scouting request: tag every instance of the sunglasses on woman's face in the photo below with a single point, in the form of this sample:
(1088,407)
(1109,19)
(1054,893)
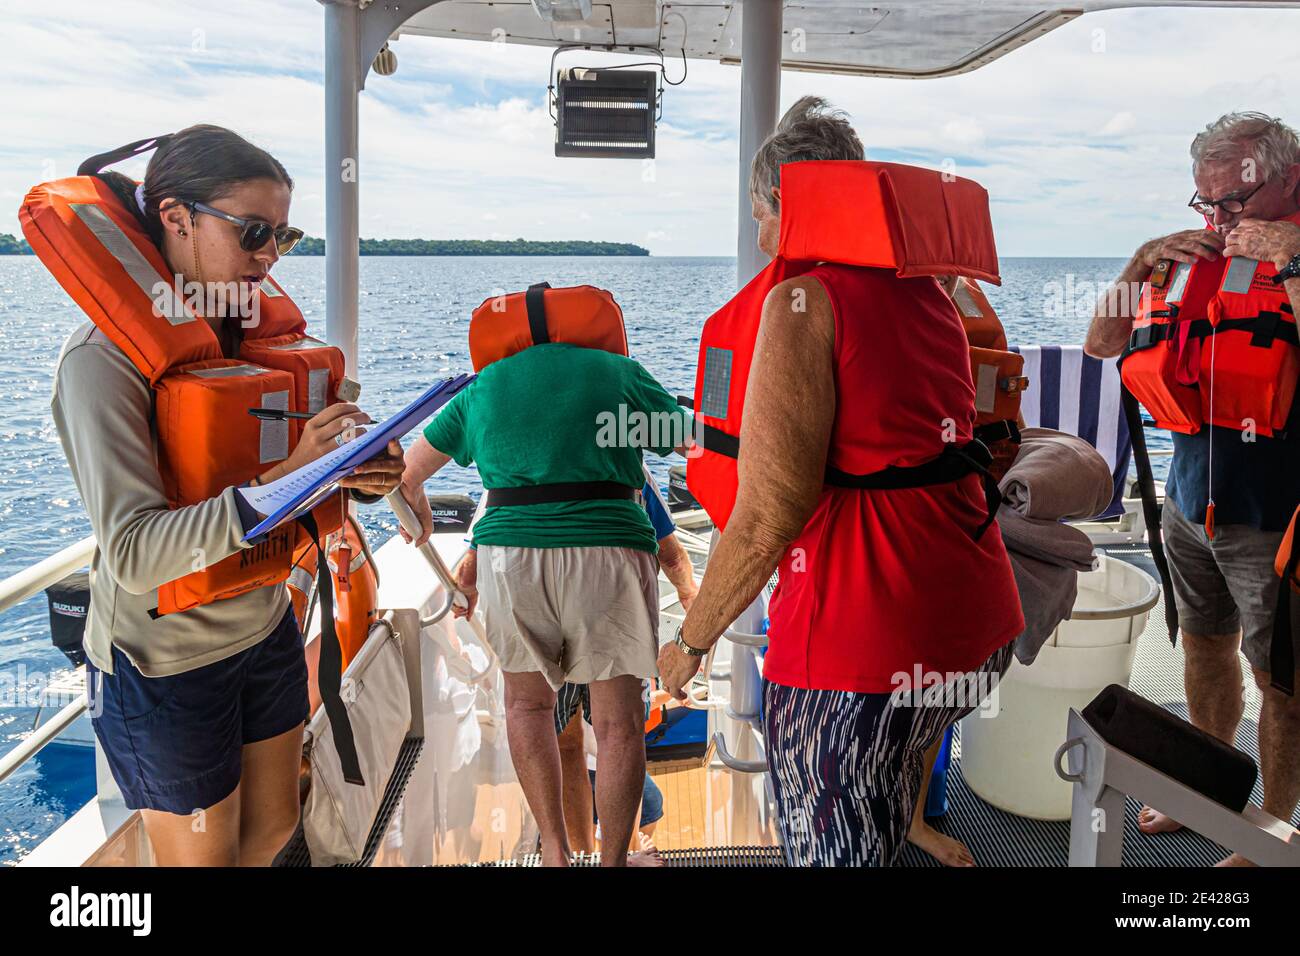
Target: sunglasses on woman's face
(253,233)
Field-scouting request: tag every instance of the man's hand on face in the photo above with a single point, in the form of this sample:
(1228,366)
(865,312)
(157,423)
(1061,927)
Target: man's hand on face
(1186,246)
(1276,242)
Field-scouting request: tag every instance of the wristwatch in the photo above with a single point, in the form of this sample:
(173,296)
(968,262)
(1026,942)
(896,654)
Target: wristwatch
(1289,271)
(686,648)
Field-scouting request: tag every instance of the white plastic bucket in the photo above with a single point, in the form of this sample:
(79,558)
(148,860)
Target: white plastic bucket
(1007,747)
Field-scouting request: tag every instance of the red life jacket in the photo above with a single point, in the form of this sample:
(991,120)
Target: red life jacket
(98,251)
(1215,342)
(915,221)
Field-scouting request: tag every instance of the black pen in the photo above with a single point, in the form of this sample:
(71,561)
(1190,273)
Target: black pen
(276,414)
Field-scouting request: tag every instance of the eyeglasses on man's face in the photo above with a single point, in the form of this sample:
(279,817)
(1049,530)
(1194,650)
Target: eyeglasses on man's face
(1232,205)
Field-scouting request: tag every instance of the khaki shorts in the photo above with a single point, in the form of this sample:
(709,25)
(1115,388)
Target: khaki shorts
(1226,584)
(573,614)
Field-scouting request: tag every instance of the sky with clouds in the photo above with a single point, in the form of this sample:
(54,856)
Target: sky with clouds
(1081,137)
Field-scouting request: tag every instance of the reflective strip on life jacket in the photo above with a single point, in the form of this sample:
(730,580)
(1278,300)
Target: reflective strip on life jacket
(884,215)
(1219,321)
(99,252)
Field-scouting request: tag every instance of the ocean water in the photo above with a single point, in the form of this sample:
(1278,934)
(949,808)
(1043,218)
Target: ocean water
(414,322)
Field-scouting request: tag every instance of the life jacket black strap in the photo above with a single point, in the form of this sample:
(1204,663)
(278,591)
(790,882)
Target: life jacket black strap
(1281,655)
(330,673)
(560,491)
(1265,329)
(1005,430)
(1150,508)
(953,464)
(95,164)
(535,303)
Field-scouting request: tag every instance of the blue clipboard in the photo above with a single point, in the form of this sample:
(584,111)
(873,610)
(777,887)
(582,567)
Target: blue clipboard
(361,450)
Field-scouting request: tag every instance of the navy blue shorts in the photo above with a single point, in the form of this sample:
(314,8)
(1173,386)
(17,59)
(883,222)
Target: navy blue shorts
(175,743)
(652,801)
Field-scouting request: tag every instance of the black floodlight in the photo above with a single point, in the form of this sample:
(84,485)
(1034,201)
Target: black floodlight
(610,112)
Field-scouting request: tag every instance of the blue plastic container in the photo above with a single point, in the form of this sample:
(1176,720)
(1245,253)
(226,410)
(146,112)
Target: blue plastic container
(936,800)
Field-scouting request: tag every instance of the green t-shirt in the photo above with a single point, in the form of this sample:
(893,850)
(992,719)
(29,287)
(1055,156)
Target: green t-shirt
(557,413)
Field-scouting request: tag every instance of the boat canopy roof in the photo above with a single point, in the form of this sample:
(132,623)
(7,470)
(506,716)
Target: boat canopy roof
(900,38)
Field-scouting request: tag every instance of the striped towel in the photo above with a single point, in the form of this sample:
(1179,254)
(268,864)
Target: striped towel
(1078,394)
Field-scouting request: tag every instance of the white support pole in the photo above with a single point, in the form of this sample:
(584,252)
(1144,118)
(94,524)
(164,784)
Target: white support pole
(342,212)
(760,96)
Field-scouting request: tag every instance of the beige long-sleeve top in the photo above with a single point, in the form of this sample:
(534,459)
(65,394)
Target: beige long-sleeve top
(101,409)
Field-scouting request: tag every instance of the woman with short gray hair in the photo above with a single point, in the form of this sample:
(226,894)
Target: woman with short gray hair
(837,349)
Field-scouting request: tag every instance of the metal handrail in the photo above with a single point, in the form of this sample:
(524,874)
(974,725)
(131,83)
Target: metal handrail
(735,763)
(34,742)
(19,587)
(410,523)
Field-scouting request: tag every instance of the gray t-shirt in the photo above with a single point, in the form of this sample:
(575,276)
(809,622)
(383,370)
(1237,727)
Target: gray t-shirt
(101,408)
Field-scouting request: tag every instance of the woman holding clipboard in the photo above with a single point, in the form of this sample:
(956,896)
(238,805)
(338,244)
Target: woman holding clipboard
(196,674)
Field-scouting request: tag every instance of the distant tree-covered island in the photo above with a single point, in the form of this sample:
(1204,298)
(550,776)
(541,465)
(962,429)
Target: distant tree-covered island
(311,246)
(9,246)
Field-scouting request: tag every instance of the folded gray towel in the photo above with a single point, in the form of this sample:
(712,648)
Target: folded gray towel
(1057,476)
(1046,558)
(1047,593)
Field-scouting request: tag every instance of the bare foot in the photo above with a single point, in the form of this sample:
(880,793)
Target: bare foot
(1235,860)
(1151,820)
(555,857)
(648,855)
(943,848)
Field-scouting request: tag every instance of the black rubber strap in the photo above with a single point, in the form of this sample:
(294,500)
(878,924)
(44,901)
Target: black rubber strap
(1265,329)
(1005,430)
(560,491)
(1150,508)
(535,303)
(954,464)
(1281,655)
(99,161)
(716,440)
(330,673)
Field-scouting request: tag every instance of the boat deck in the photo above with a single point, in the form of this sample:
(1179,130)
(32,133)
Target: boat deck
(995,837)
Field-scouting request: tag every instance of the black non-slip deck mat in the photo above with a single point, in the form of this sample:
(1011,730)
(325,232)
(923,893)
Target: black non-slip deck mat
(296,854)
(998,838)
(723,857)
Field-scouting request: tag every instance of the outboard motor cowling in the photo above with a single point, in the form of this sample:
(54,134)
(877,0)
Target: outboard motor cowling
(69,604)
(679,497)
(452,512)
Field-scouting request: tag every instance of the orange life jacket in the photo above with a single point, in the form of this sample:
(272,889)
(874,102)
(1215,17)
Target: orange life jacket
(883,215)
(355,586)
(578,315)
(1215,342)
(997,374)
(206,440)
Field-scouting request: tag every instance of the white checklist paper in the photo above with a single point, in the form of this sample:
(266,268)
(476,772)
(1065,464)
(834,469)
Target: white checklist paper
(301,490)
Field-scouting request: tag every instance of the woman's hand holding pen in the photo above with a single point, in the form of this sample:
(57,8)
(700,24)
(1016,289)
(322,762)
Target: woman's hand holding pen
(333,426)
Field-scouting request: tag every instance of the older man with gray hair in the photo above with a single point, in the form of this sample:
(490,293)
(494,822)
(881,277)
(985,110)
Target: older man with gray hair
(1223,526)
